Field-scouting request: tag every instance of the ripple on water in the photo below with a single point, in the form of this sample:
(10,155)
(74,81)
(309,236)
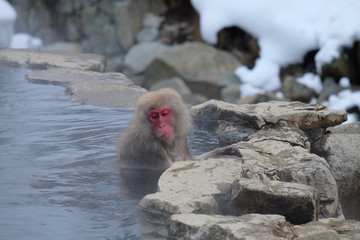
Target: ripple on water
(58,178)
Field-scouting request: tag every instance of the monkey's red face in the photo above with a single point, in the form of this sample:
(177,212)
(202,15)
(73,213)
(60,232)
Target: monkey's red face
(161,120)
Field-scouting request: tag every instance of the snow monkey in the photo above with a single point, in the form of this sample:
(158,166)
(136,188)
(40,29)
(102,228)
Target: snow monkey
(156,136)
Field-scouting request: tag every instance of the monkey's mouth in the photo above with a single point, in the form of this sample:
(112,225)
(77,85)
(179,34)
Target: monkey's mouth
(166,136)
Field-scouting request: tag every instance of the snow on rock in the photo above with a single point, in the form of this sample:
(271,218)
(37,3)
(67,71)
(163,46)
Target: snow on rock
(7,20)
(264,77)
(23,40)
(344,82)
(312,81)
(346,99)
(286,31)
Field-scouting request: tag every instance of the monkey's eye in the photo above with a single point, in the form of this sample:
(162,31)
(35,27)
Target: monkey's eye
(154,115)
(165,113)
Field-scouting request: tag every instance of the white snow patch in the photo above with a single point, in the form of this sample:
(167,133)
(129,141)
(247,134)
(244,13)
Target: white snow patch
(311,81)
(247,89)
(352,117)
(286,31)
(265,75)
(344,100)
(344,82)
(23,40)
(280,95)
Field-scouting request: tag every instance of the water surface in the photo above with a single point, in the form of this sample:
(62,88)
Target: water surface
(58,172)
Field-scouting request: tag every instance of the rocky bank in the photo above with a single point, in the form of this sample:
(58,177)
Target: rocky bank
(300,178)
(140,38)
(82,74)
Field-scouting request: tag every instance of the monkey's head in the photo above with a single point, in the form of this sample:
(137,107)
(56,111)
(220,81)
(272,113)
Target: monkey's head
(163,114)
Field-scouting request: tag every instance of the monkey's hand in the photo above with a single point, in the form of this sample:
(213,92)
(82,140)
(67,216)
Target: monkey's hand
(232,151)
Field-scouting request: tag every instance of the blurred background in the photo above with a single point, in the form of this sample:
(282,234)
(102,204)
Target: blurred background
(173,43)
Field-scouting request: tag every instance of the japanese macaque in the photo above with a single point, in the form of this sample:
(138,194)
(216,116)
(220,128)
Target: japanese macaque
(156,136)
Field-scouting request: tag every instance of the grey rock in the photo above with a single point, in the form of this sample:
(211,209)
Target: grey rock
(258,98)
(280,159)
(349,128)
(296,91)
(347,229)
(205,186)
(316,231)
(43,59)
(105,94)
(297,202)
(71,30)
(252,226)
(341,150)
(147,34)
(67,76)
(330,87)
(63,47)
(115,63)
(101,37)
(228,132)
(152,20)
(193,187)
(237,122)
(230,93)
(175,83)
(128,18)
(141,55)
(100,89)
(284,131)
(205,69)
(279,151)
(157,7)
(256,226)
(179,85)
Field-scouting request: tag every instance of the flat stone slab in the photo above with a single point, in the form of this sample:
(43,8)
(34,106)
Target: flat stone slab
(106,94)
(99,89)
(306,116)
(47,59)
(189,187)
(257,226)
(252,226)
(66,77)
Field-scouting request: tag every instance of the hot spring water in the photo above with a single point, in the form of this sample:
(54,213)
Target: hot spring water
(58,172)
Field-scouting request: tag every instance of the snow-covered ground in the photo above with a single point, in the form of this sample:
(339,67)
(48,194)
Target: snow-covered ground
(286,31)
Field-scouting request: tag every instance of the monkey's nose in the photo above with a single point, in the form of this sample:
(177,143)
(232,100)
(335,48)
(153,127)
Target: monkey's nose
(162,125)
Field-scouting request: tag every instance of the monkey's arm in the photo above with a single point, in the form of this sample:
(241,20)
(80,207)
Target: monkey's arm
(228,151)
